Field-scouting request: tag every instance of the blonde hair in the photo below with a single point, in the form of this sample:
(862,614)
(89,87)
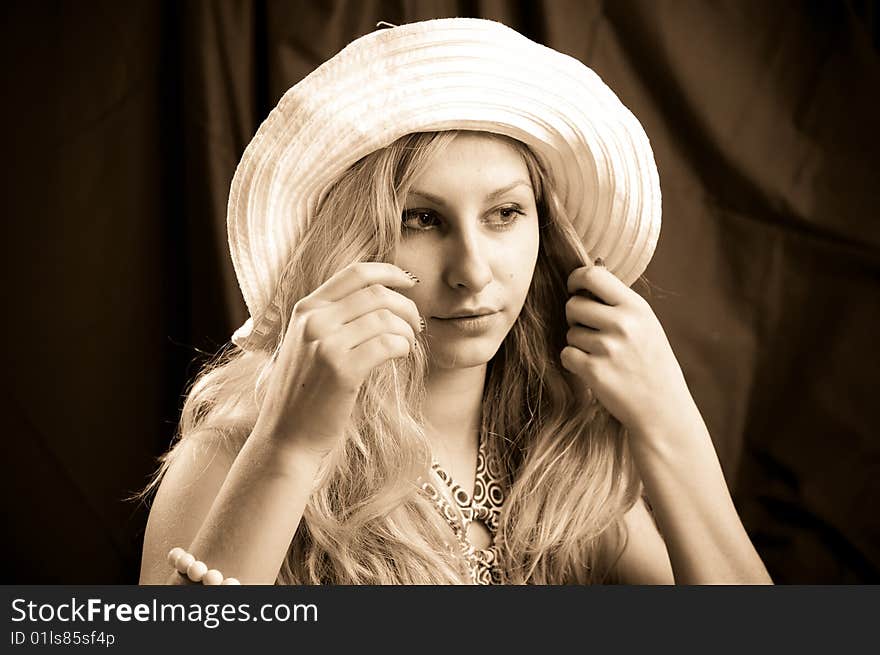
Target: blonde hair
(569,473)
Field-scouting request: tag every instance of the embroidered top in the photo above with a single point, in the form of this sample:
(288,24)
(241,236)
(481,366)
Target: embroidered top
(485,506)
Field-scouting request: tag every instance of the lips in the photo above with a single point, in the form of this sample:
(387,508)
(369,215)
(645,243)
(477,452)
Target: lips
(468,313)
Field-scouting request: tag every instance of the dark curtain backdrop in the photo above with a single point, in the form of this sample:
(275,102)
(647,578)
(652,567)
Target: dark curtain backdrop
(126,122)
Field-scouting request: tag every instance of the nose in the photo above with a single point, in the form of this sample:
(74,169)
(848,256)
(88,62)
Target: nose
(468,266)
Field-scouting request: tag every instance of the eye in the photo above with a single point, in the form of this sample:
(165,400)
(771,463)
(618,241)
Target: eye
(508,215)
(419,219)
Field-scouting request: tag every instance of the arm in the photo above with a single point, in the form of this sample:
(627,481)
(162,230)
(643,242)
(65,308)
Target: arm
(705,542)
(248,531)
(705,538)
(618,348)
(645,559)
(237,516)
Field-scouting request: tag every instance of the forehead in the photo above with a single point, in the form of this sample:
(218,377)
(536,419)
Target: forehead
(475,157)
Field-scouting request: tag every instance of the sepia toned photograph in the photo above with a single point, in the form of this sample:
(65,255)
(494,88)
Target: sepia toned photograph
(443,293)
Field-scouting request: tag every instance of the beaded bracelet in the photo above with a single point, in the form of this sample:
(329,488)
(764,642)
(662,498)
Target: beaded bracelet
(186,564)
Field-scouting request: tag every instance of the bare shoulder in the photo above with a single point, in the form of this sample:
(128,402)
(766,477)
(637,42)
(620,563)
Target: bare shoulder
(645,559)
(198,467)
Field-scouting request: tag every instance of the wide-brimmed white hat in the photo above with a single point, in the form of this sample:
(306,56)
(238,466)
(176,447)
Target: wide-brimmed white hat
(444,74)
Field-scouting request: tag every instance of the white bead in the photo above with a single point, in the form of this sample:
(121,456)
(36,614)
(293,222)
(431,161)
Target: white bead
(230,581)
(212,577)
(173,554)
(196,571)
(183,562)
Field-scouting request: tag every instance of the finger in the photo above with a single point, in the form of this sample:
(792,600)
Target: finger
(360,275)
(378,350)
(590,313)
(577,361)
(599,281)
(367,327)
(587,340)
(370,299)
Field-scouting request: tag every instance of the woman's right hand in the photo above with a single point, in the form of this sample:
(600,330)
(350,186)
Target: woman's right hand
(336,336)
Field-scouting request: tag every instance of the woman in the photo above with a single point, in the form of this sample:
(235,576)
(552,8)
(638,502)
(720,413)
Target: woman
(437,384)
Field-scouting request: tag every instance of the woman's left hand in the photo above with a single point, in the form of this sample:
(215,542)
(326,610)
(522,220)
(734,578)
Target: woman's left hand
(618,348)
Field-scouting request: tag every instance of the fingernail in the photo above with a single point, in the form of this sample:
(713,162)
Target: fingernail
(412,277)
(422,324)
(599,261)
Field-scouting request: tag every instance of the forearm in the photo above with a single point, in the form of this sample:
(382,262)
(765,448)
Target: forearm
(704,535)
(247,532)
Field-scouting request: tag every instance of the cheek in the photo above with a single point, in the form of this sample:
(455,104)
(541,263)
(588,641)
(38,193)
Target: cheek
(521,258)
(420,262)
(410,259)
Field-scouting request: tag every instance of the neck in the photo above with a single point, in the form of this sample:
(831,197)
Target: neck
(453,407)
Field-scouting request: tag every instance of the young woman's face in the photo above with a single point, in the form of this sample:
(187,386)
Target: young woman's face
(470,234)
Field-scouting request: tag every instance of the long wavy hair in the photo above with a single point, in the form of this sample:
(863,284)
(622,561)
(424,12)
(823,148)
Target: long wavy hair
(568,469)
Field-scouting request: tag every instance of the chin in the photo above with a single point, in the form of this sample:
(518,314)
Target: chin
(465,355)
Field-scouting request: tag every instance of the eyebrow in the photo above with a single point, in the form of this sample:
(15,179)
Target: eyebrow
(489,197)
